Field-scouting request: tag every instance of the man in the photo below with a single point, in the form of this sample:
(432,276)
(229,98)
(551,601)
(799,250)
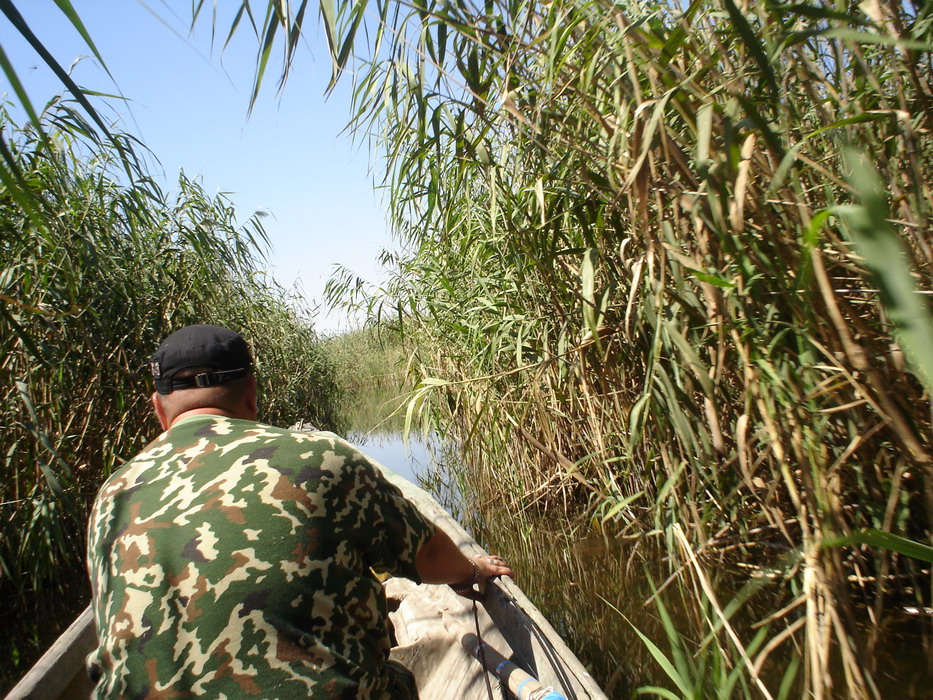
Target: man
(232,559)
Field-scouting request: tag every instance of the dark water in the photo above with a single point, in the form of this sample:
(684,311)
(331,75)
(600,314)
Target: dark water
(597,588)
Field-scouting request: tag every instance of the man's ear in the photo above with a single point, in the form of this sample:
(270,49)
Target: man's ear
(160,410)
(250,396)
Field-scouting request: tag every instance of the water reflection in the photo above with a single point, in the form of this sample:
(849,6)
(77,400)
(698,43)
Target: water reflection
(376,425)
(389,449)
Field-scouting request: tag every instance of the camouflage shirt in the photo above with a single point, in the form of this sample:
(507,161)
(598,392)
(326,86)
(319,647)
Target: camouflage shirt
(232,559)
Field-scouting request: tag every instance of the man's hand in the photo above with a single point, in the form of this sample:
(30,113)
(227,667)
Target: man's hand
(441,561)
(492,566)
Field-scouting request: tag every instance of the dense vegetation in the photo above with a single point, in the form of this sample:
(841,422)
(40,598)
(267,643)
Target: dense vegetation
(673,264)
(99,264)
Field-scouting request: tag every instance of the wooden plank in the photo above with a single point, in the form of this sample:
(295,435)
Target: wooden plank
(61,674)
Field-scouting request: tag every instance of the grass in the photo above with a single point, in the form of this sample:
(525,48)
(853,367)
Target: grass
(673,267)
(372,374)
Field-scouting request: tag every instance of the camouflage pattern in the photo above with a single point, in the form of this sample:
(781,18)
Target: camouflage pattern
(231,559)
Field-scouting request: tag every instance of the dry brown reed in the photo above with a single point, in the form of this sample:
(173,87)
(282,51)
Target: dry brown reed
(646,251)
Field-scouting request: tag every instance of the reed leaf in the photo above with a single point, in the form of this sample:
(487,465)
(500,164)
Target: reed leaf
(885,540)
(877,241)
(631,241)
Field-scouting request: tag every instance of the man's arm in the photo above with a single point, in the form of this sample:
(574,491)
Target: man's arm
(440,561)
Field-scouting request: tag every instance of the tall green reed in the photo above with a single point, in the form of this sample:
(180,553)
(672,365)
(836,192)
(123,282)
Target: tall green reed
(373,376)
(656,286)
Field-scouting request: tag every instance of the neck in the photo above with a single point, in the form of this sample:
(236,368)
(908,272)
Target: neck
(204,412)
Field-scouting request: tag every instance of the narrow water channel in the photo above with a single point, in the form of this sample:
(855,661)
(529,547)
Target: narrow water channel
(389,449)
(375,424)
(573,580)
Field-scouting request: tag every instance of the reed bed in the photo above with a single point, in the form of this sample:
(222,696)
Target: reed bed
(97,267)
(371,373)
(673,266)
(367,358)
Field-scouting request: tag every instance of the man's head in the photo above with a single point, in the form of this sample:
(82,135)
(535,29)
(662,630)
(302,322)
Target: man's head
(203,369)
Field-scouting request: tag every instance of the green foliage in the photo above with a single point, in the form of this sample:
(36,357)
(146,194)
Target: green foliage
(615,247)
(879,538)
(372,373)
(371,356)
(645,261)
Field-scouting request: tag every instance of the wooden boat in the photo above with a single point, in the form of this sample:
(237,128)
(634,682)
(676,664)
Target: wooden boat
(442,637)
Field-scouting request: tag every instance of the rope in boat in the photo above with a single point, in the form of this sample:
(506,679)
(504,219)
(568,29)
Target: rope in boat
(482,652)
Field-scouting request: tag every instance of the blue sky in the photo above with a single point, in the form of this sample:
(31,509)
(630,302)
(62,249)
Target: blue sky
(189,105)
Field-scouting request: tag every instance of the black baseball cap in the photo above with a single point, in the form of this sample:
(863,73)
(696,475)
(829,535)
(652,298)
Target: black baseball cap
(220,350)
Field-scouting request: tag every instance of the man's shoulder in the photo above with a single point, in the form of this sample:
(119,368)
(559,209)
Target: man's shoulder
(210,438)
(319,437)
(215,426)
(217,437)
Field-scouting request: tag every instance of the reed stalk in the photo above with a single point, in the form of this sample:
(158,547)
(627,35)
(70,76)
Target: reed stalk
(674,265)
(671,267)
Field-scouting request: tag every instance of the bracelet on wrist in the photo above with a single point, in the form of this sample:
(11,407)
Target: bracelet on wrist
(464,587)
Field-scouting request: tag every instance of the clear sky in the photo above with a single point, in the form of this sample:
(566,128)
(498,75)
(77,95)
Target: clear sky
(189,105)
